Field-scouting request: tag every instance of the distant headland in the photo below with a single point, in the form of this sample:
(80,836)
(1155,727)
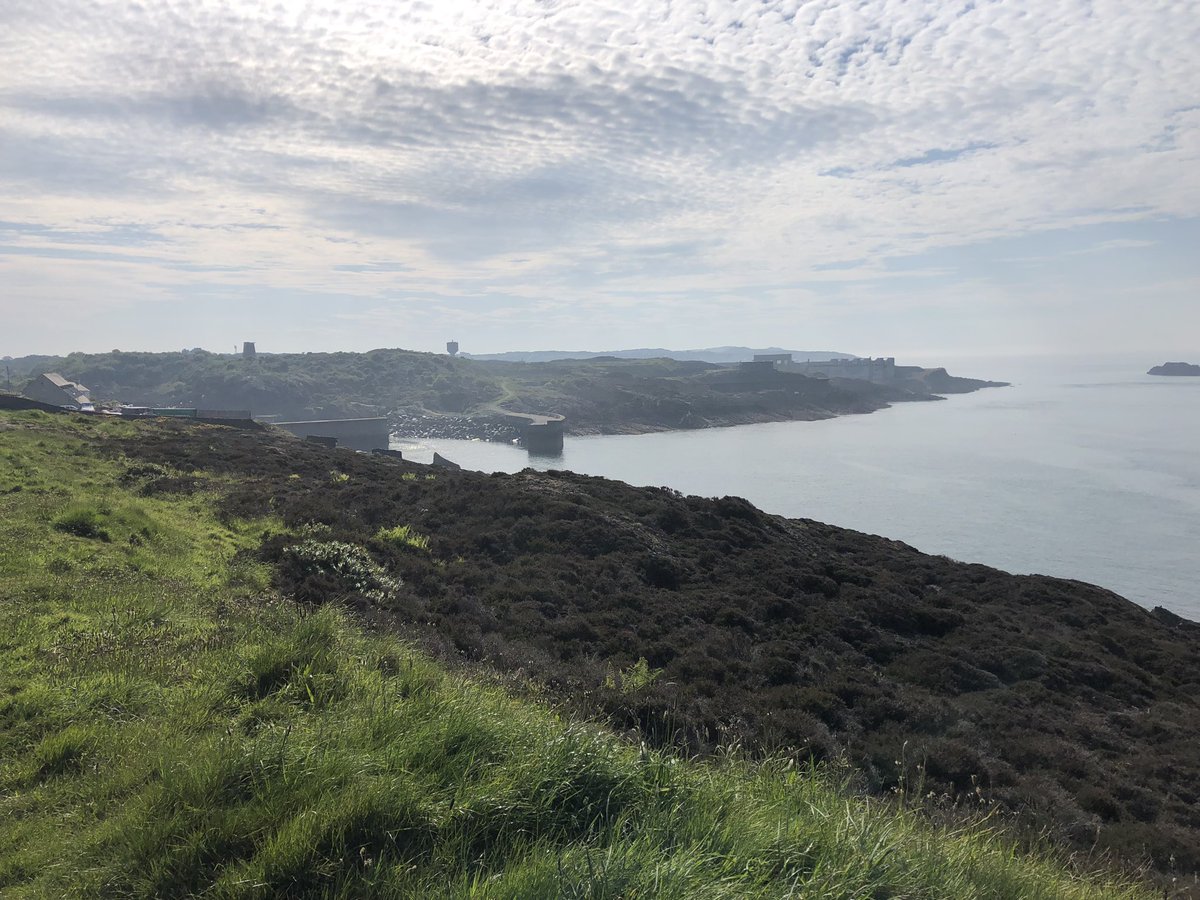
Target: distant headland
(453,396)
(1175,368)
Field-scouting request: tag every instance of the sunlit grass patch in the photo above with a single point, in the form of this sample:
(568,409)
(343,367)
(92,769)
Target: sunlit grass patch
(83,521)
(65,751)
(403,536)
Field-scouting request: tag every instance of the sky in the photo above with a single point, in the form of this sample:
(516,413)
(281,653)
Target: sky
(887,177)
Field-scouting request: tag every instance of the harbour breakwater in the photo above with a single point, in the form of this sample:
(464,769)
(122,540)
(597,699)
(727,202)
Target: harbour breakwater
(541,434)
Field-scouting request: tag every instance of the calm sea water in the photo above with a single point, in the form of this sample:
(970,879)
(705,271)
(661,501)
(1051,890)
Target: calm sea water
(1086,470)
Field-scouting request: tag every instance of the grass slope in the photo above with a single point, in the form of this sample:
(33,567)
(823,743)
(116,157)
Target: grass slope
(170,727)
(1059,702)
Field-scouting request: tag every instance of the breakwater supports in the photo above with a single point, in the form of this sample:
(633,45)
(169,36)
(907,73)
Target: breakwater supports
(356,434)
(542,435)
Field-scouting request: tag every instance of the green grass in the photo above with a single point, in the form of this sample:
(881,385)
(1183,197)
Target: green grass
(169,728)
(403,536)
(82,521)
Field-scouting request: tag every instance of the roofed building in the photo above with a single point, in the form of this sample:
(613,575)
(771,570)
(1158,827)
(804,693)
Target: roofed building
(50,387)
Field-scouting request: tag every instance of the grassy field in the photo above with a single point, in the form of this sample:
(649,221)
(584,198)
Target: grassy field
(169,727)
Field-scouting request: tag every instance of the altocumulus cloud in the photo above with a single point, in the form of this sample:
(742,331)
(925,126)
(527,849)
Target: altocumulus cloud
(570,153)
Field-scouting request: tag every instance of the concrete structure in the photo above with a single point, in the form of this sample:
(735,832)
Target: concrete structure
(173,412)
(185,412)
(12,401)
(248,350)
(52,388)
(773,358)
(542,435)
(544,438)
(223,414)
(357,434)
(442,463)
(452,347)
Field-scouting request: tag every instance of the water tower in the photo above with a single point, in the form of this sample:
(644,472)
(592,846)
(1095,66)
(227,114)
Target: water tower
(452,347)
(248,350)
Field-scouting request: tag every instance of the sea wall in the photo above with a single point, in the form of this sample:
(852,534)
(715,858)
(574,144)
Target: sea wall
(356,434)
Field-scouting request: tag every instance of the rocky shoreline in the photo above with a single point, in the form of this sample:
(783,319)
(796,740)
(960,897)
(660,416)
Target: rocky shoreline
(430,426)
(439,426)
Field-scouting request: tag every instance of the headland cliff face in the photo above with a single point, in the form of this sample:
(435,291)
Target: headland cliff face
(1062,704)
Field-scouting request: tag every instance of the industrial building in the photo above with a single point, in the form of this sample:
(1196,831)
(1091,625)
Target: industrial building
(52,388)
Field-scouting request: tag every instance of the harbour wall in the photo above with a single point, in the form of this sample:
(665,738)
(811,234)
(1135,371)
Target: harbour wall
(356,434)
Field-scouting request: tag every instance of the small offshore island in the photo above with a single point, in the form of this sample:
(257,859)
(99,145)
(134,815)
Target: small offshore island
(1176,368)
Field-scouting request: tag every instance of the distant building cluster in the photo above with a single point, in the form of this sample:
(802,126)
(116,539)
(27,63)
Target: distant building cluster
(879,371)
(53,389)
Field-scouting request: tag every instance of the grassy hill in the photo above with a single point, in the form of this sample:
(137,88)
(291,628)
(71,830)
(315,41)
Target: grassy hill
(207,690)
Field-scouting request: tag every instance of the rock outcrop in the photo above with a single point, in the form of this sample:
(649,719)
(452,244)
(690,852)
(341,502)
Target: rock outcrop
(1175,368)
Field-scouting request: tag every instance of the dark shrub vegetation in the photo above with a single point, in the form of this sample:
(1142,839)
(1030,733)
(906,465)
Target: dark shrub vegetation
(1066,705)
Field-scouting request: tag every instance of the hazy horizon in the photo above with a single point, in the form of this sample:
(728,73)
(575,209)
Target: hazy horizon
(892,179)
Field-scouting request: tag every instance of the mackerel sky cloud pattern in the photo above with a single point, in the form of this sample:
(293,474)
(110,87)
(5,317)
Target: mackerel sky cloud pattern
(883,176)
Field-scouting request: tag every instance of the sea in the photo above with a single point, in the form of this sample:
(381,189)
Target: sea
(1083,468)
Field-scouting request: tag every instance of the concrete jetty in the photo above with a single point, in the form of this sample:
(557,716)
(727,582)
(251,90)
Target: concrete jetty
(542,434)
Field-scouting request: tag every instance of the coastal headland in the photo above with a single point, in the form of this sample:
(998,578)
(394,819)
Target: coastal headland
(436,395)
